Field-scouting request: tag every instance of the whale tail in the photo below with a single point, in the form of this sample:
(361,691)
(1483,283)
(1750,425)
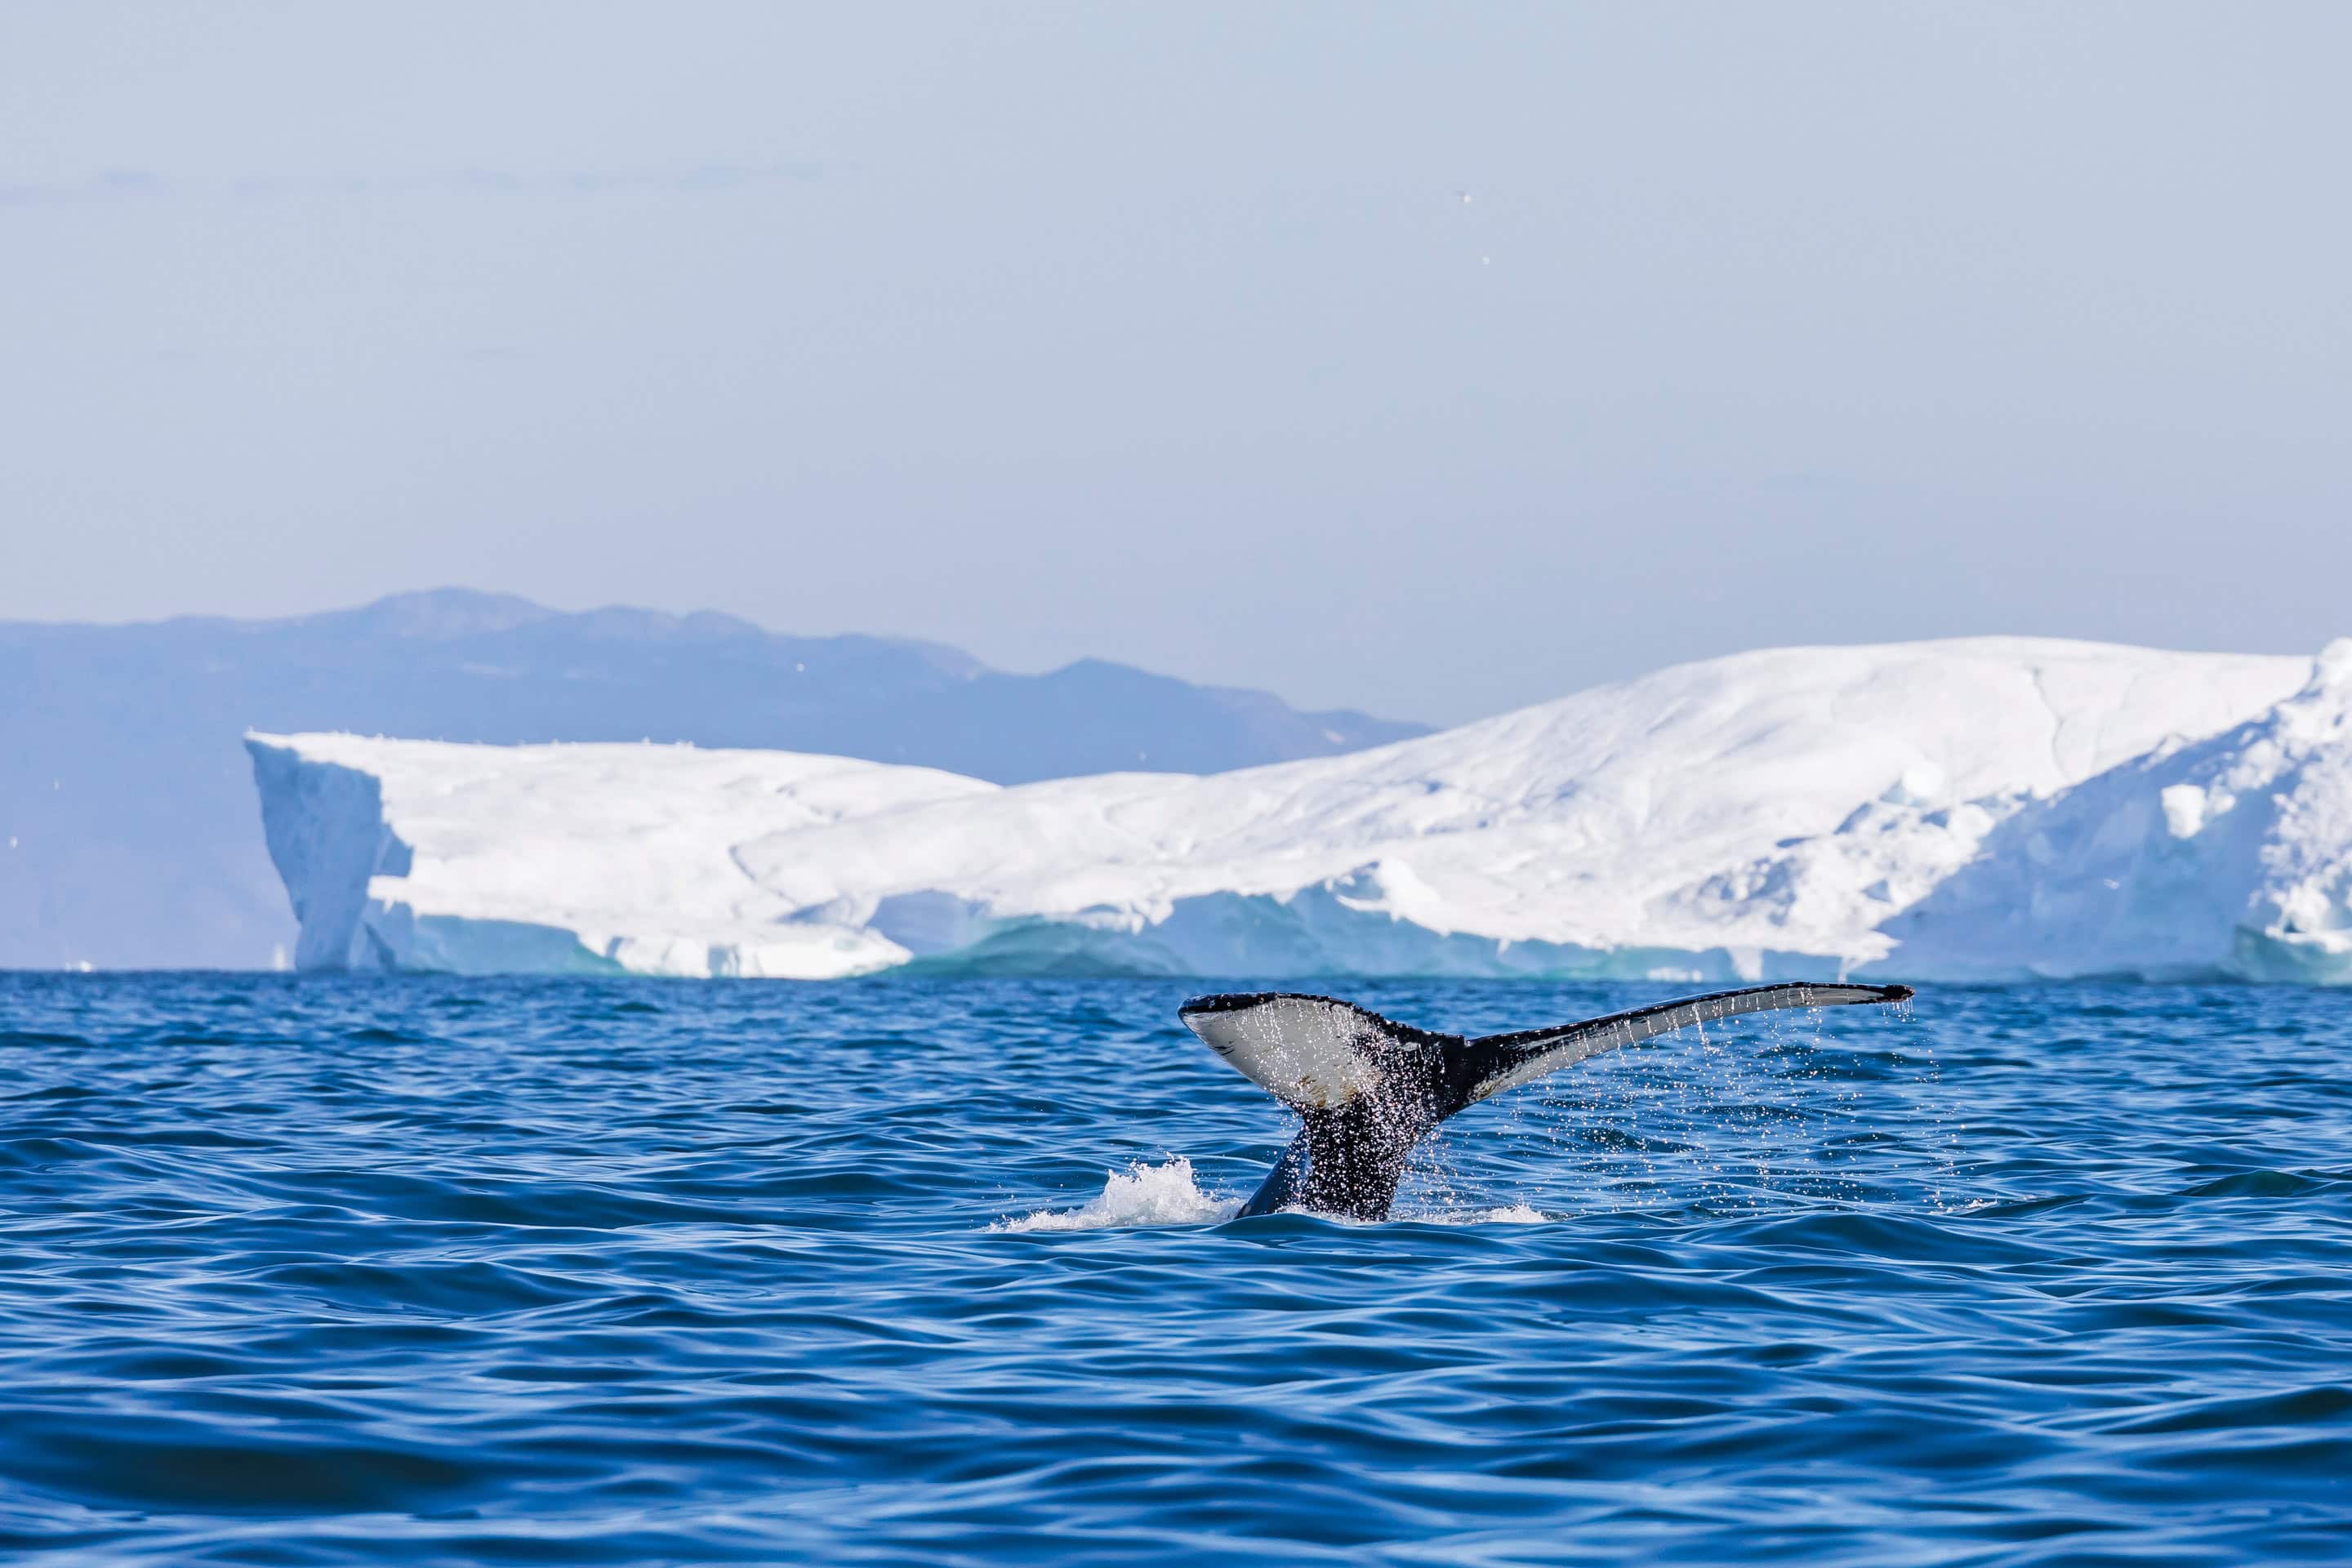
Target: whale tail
(1369,1088)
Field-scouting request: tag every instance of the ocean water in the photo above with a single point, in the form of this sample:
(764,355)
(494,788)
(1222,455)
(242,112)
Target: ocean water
(317,1270)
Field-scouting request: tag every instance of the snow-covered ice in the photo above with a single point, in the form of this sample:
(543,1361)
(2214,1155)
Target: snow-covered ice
(2230,856)
(1796,811)
(429,855)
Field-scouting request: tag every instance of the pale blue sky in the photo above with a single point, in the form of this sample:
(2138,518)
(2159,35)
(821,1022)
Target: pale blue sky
(1166,334)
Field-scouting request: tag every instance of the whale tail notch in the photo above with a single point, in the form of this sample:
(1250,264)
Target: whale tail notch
(1368,1088)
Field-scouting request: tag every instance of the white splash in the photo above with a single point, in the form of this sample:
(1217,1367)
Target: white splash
(1167,1194)
(1140,1196)
(1410,1214)
(1448,1207)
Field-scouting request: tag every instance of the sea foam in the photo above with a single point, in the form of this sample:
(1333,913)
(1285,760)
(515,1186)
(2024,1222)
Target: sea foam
(1143,1194)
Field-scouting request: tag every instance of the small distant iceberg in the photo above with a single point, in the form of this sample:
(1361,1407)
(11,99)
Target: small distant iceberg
(1986,809)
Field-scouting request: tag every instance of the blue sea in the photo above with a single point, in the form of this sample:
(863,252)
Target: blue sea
(322,1270)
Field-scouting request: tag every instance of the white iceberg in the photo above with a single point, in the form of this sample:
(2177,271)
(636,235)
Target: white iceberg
(1765,814)
(429,854)
(2231,857)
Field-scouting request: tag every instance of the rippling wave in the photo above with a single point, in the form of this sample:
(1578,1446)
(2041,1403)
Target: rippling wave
(440,1270)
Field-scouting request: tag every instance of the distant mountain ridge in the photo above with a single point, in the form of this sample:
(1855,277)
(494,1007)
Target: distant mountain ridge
(128,796)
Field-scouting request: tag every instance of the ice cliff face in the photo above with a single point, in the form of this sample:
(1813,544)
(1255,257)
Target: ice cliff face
(2232,856)
(1797,811)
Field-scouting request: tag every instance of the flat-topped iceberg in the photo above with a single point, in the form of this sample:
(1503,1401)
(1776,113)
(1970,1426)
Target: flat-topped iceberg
(1792,812)
(430,855)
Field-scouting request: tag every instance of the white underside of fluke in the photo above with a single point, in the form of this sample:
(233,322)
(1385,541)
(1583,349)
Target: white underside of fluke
(1303,1051)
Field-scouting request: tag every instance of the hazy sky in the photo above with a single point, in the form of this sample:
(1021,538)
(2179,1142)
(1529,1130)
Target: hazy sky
(1168,333)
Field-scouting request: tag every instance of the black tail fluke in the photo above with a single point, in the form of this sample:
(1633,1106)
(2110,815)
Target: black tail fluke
(1477,1068)
(1370,1089)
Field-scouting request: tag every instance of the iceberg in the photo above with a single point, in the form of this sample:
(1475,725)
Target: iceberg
(596,857)
(2230,858)
(1790,813)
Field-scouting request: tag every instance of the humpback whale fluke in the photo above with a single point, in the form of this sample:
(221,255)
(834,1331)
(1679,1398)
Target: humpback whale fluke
(1371,1087)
